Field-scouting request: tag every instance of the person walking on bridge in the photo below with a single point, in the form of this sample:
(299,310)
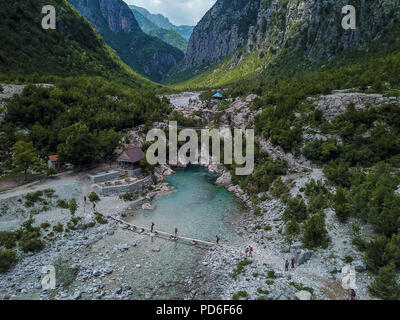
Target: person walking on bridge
(152,227)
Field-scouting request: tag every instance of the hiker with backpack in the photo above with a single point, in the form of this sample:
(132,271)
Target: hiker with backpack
(286,265)
(352,294)
(293,262)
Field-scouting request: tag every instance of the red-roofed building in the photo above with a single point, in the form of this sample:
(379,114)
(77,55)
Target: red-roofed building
(53,161)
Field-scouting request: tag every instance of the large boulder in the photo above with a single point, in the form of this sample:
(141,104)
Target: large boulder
(359,265)
(302,256)
(304,295)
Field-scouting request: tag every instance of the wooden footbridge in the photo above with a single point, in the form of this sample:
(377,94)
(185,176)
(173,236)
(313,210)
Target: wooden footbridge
(163,235)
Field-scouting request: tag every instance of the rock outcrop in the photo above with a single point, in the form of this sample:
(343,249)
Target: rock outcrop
(311,28)
(337,103)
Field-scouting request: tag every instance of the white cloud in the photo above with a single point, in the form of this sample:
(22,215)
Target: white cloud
(178,11)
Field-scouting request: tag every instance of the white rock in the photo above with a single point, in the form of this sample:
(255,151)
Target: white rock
(304,295)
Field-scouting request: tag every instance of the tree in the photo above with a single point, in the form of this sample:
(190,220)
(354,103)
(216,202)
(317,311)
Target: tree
(279,188)
(296,209)
(374,256)
(24,156)
(7,259)
(385,285)
(93,197)
(315,233)
(80,146)
(341,204)
(73,206)
(109,140)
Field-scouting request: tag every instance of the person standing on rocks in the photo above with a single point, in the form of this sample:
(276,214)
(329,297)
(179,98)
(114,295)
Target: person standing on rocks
(247,251)
(217,239)
(152,227)
(286,265)
(251,251)
(293,262)
(176,232)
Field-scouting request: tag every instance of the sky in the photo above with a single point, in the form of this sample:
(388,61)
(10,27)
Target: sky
(179,12)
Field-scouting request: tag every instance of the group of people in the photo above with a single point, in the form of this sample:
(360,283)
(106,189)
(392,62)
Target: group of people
(249,251)
(293,261)
(85,200)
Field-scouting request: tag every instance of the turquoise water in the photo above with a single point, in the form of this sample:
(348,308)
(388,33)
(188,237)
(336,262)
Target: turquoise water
(197,207)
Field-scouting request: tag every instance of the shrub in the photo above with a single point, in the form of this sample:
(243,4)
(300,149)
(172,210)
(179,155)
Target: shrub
(45,225)
(296,209)
(93,197)
(315,233)
(73,206)
(62,204)
(58,228)
(279,188)
(240,268)
(240,294)
(292,230)
(271,274)
(32,245)
(100,218)
(7,259)
(341,207)
(8,239)
(127,197)
(385,285)
(348,259)
(301,287)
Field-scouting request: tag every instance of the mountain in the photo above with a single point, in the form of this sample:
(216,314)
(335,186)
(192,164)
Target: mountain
(144,23)
(243,38)
(162,22)
(73,49)
(115,22)
(169,36)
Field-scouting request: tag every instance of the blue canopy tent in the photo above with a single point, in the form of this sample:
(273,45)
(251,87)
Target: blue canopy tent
(218,96)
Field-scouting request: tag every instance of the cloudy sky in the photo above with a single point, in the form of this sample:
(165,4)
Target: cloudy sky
(179,12)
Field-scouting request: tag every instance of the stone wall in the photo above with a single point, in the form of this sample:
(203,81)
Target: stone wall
(134,187)
(104,176)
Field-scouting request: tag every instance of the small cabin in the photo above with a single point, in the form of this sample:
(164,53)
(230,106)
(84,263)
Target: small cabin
(130,157)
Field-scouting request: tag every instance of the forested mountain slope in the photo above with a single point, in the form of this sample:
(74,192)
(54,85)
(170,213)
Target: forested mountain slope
(115,22)
(73,49)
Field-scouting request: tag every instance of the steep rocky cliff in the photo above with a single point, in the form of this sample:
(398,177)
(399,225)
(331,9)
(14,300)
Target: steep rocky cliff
(308,28)
(115,22)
